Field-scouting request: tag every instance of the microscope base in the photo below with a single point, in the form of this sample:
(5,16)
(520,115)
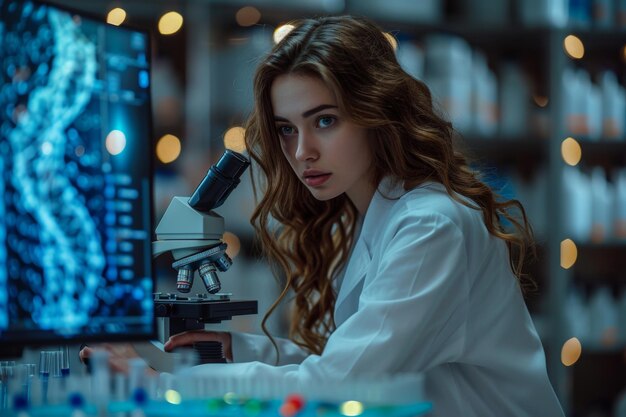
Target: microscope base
(154,355)
(176,314)
(160,360)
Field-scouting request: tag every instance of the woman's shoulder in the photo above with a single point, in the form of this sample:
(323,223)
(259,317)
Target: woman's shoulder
(394,208)
(432,199)
(430,209)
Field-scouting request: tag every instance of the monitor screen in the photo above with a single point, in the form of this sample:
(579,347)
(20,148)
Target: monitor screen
(75,178)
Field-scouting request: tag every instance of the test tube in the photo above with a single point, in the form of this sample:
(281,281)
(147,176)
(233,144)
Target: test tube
(100,380)
(55,364)
(65,360)
(57,388)
(45,366)
(78,393)
(6,375)
(136,375)
(26,373)
(185,359)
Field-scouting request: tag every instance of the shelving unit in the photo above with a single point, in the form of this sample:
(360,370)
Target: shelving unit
(595,381)
(540,51)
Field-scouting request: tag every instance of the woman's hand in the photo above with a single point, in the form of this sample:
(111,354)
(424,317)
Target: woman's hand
(119,354)
(192,336)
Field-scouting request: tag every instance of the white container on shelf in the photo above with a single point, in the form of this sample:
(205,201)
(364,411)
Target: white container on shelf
(411,59)
(579,13)
(514,100)
(484,97)
(621,313)
(613,106)
(602,196)
(603,12)
(543,12)
(494,13)
(446,54)
(620,105)
(603,320)
(621,13)
(579,121)
(577,204)
(447,59)
(533,195)
(619,207)
(572,113)
(577,316)
(593,110)
(451,98)
(395,10)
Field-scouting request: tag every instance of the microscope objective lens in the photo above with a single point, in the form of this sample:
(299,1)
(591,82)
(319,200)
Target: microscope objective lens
(185,280)
(209,277)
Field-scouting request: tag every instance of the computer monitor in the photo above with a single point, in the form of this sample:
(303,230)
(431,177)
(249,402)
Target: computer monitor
(75,178)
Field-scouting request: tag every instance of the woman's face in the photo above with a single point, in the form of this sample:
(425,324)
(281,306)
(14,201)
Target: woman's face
(328,153)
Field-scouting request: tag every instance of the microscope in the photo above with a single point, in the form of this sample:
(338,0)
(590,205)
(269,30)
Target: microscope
(192,232)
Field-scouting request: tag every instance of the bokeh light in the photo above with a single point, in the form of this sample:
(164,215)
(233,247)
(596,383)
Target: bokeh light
(287,410)
(392,40)
(571,151)
(172,397)
(234,139)
(351,408)
(569,253)
(248,16)
(282,31)
(233,244)
(115,142)
(116,16)
(170,23)
(571,351)
(46,148)
(541,101)
(231,398)
(168,148)
(574,47)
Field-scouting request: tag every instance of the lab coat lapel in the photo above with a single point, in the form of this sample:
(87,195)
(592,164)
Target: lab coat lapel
(361,257)
(354,272)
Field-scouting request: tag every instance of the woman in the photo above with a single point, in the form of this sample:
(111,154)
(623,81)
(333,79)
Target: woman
(395,251)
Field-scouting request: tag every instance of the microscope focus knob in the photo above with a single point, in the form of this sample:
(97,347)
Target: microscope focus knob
(162,310)
(223,262)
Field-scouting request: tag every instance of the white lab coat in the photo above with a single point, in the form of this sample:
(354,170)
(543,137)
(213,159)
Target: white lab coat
(426,290)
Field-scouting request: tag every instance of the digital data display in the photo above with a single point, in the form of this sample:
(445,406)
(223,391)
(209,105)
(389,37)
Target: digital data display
(75,177)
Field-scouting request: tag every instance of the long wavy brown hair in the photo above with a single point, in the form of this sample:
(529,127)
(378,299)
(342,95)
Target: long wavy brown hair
(309,240)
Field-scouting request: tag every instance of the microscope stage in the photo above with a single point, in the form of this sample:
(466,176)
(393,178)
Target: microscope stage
(205,309)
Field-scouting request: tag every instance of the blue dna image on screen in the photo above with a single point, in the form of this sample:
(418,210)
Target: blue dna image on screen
(75,176)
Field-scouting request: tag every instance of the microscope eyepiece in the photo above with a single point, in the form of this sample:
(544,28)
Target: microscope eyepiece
(221,179)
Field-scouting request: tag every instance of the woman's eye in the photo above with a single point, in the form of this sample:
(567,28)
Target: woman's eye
(286,130)
(325,121)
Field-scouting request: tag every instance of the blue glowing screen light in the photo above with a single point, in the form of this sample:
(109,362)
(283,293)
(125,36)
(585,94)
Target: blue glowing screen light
(75,208)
